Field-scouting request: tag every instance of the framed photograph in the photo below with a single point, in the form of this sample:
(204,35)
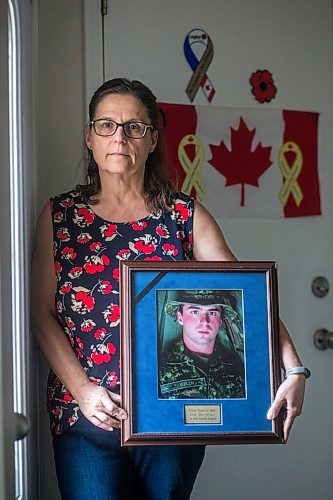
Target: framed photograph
(200,352)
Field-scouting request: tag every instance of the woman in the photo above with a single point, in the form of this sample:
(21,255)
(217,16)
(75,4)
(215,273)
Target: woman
(127,210)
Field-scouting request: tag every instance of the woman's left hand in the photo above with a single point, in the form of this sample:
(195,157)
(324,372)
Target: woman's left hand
(290,395)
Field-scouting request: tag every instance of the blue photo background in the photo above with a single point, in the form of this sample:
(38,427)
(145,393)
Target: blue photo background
(154,415)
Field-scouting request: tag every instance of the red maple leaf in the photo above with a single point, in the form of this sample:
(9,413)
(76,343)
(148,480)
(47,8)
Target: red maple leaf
(241,165)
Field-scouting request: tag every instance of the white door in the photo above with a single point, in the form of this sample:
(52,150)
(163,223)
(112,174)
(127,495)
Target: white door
(17,384)
(144,40)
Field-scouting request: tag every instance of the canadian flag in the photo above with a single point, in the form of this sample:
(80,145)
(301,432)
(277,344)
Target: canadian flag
(247,162)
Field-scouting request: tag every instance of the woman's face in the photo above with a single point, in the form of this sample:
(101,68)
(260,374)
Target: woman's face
(118,154)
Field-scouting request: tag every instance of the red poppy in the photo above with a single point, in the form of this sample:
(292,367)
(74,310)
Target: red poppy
(67,202)
(82,302)
(63,234)
(111,348)
(139,226)
(105,287)
(87,325)
(95,246)
(58,268)
(123,254)
(70,323)
(100,333)
(169,249)
(182,212)
(83,238)
(108,230)
(263,87)
(68,253)
(162,230)
(145,244)
(155,257)
(66,287)
(112,379)
(115,274)
(58,216)
(75,272)
(112,314)
(96,264)
(100,358)
(83,217)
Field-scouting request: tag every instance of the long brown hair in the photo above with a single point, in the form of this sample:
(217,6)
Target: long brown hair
(158,188)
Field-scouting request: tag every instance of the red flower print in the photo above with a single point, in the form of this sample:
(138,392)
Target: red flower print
(180,235)
(102,353)
(181,212)
(58,216)
(68,253)
(96,264)
(67,398)
(123,254)
(82,301)
(79,342)
(58,411)
(75,272)
(145,244)
(95,246)
(100,333)
(109,231)
(111,348)
(139,226)
(187,246)
(156,215)
(83,216)
(59,307)
(112,314)
(58,269)
(70,323)
(105,287)
(83,238)
(66,287)
(112,379)
(115,274)
(100,358)
(67,203)
(170,249)
(79,353)
(87,325)
(162,231)
(263,87)
(63,234)
(155,257)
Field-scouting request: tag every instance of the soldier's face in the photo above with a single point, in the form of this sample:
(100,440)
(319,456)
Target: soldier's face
(200,326)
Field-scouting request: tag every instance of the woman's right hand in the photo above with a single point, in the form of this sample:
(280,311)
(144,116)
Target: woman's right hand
(100,406)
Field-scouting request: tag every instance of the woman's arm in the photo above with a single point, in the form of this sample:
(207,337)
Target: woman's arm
(97,404)
(209,244)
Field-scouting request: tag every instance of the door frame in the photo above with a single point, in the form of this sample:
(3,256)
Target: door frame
(6,385)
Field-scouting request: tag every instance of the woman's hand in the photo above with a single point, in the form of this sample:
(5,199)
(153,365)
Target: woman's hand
(290,396)
(100,406)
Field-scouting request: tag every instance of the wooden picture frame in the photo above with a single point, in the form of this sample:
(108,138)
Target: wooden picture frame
(226,404)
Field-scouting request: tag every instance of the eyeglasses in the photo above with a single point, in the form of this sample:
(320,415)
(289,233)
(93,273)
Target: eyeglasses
(133,130)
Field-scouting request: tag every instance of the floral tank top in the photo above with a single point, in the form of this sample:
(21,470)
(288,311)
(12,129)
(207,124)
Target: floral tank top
(87,252)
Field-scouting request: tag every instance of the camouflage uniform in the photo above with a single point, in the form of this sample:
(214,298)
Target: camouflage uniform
(184,374)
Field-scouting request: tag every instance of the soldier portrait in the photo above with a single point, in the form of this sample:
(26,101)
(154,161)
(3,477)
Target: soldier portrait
(201,344)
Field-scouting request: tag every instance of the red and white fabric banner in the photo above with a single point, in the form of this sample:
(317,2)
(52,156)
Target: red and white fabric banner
(245,162)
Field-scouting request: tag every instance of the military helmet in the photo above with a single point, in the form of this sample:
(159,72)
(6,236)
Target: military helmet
(199,297)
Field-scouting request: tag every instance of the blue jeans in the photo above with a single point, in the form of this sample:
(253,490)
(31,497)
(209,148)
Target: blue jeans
(90,463)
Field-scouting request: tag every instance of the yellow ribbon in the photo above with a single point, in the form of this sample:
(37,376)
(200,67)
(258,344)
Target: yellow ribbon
(192,168)
(290,173)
